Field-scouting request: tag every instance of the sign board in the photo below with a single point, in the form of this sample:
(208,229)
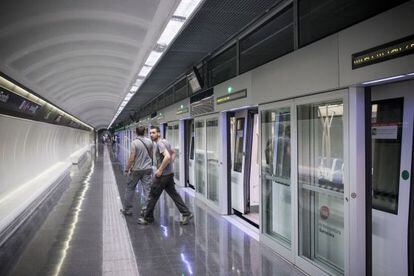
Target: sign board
(182,110)
(391,50)
(385,132)
(12,102)
(232,97)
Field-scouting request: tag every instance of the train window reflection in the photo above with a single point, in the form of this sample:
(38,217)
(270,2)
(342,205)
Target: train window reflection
(321,184)
(239,145)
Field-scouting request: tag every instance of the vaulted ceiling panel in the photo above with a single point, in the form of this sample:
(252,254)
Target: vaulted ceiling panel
(80,55)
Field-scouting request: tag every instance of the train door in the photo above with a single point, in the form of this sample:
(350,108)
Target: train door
(276,174)
(172,136)
(304,178)
(392,137)
(244,164)
(189,152)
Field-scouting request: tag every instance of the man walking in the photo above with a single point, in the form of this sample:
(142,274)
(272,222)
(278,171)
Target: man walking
(138,168)
(164,180)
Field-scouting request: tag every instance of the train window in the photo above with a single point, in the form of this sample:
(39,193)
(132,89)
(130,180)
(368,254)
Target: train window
(192,148)
(320,18)
(239,145)
(321,184)
(386,133)
(200,156)
(268,42)
(213,142)
(223,66)
(276,182)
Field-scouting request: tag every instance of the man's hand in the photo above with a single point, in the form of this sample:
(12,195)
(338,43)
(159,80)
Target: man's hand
(158,173)
(126,172)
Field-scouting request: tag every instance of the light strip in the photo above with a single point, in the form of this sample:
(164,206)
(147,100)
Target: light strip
(31,97)
(144,71)
(134,89)
(153,58)
(385,79)
(181,15)
(171,30)
(186,8)
(75,219)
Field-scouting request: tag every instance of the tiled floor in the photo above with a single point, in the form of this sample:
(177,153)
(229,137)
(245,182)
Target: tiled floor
(209,245)
(71,237)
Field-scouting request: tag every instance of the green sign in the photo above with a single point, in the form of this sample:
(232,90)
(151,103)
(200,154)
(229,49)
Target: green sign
(232,97)
(405,174)
(182,110)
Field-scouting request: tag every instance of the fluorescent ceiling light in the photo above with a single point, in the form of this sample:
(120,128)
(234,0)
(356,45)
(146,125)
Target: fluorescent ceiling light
(385,79)
(153,57)
(411,74)
(170,31)
(138,82)
(186,8)
(134,89)
(144,71)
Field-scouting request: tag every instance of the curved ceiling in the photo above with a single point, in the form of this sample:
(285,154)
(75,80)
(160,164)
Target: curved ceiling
(213,24)
(80,55)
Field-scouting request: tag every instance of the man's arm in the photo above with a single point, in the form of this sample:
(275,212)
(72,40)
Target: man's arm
(173,155)
(165,162)
(131,160)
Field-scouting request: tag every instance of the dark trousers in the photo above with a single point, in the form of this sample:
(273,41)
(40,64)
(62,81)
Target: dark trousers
(164,182)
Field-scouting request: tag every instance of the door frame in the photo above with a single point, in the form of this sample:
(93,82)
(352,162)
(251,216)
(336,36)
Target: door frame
(410,242)
(204,197)
(248,157)
(401,90)
(228,161)
(187,145)
(282,249)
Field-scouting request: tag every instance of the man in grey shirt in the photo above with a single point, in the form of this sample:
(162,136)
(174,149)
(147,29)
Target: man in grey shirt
(164,180)
(138,168)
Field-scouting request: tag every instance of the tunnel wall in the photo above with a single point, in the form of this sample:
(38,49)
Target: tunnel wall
(28,148)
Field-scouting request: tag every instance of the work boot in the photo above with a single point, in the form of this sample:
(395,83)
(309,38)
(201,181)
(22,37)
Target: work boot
(144,221)
(126,212)
(186,219)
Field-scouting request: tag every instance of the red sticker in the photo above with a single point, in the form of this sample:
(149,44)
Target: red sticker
(324,212)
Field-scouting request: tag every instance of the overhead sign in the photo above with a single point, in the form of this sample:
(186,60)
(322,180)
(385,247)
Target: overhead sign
(391,50)
(232,97)
(182,110)
(18,106)
(15,103)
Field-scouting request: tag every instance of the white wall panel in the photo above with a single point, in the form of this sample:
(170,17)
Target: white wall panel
(28,148)
(308,70)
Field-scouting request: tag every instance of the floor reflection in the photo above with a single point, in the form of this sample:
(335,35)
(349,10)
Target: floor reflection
(68,242)
(209,245)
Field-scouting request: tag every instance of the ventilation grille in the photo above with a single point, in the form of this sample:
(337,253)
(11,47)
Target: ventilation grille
(203,106)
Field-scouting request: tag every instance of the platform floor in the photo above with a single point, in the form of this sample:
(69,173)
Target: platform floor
(85,234)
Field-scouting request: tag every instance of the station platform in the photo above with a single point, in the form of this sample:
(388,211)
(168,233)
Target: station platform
(85,234)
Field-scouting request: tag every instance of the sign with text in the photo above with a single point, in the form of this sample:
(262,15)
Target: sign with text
(232,97)
(391,50)
(12,102)
(182,110)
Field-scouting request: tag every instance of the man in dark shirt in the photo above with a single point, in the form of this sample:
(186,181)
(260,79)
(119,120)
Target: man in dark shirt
(164,180)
